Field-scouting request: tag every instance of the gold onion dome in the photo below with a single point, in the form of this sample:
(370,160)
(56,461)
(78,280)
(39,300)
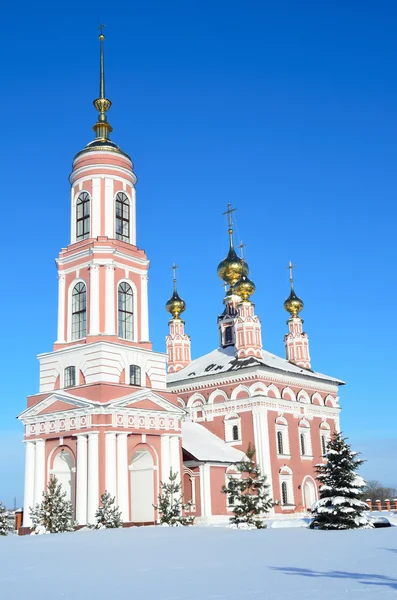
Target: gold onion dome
(232,268)
(175,305)
(244,288)
(293,304)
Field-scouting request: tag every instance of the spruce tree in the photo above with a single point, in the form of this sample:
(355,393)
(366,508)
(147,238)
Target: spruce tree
(5,525)
(108,514)
(54,514)
(248,494)
(339,506)
(171,503)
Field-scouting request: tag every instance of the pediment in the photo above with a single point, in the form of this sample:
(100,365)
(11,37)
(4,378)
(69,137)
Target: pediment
(57,402)
(146,400)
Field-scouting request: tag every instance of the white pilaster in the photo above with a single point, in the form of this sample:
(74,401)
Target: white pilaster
(81,491)
(205,490)
(110,317)
(262,445)
(110,465)
(133,219)
(122,475)
(94,299)
(28,501)
(93,476)
(175,456)
(109,208)
(39,471)
(96,207)
(61,308)
(144,309)
(165,458)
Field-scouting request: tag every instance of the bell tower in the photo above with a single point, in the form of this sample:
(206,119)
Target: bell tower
(296,340)
(177,342)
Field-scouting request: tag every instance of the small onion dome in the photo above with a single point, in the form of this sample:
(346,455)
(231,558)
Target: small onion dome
(232,267)
(244,288)
(175,305)
(293,304)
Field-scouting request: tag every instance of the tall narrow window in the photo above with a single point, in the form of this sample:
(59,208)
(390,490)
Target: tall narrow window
(83,216)
(228,335)
(280,447)
(323,444)
(235,433)
(303,444)
(126,311)
(70,377)
(122,217)
(79,311)
(135,375)
(284,493)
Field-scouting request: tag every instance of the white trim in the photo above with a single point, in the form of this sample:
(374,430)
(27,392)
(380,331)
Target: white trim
(109,208)
(94,299)
(110,300)
(61,307)
(96,207)
(135,308)
(81,479)
(70,308)
(30,451)
(122,475)
(205,490)
(39,471)
(93,476)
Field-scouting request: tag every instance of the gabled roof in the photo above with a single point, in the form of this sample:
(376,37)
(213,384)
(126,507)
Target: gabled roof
(205,446)
(223,360)
(64,398)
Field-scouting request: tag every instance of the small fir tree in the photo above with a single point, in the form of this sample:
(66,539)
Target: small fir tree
(55,513)
(5,525)
(108,514)
(171,503)
(339,506)
(248,494)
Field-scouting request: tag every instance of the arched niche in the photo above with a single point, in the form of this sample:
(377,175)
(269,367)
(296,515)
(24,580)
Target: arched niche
(142,486)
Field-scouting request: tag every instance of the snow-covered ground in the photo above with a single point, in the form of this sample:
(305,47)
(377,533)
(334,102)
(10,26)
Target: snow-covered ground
(199,563)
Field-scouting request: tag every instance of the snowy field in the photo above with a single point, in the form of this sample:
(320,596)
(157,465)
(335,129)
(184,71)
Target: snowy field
(198,563)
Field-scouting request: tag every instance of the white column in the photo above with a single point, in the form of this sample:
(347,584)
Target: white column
(28,501)
(94,299)
(144,310)
(175,456)
(205,490)
(96,207)
(81,491)
(165,458)
(93,476)
(133,218)
(109,208)
(110,466)
(110,294)
(61,308)
(262,444)
(39,471)
(122,475)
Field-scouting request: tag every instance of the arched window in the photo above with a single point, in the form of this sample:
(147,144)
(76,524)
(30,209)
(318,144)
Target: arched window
(79,311)
(122,217)
(126,311)
(70,377)
(280,447)
(303,444)
(135,375)
(83,216)
(284,493)
(235,433)
(323,444)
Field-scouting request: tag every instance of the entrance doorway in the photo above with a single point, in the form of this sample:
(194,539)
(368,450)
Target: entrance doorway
(142,487)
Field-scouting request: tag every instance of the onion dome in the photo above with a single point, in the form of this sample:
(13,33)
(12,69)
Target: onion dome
(293,304)
(175,305)
(232,268)
(244,288)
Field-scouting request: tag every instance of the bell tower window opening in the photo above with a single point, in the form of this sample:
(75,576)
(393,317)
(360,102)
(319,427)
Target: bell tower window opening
(126,312)
(83,216)
(79,311)
(70,377)
(122,217)
(135,375)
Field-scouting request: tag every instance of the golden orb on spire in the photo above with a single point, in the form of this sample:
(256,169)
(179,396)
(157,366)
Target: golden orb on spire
(175,305)
(233,267)
(293,304)
(244,288)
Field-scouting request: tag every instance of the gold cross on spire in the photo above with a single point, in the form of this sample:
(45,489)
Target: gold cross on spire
(241,248)
(174,268)
(291,279)
(229,212)
(101,29)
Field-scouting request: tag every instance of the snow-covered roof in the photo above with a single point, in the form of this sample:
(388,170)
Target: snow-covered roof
(205,446)
(223,360)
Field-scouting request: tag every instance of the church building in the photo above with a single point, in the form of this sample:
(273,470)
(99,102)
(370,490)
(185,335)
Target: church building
(113,414)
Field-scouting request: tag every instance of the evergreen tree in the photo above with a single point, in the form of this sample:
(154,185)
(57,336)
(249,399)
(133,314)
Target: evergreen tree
(54,514)
(339,506)
(108,515)
(171,503)
(248,494)
(5,525)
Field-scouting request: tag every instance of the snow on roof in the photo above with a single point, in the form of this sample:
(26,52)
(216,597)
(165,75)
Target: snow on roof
(204,445)
(223,360)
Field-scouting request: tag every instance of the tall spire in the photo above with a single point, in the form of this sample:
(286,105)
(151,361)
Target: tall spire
(232,267)
(293,304)
(102,104)
(175,305)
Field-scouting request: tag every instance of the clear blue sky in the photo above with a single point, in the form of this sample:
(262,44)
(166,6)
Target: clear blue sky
(286,109)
